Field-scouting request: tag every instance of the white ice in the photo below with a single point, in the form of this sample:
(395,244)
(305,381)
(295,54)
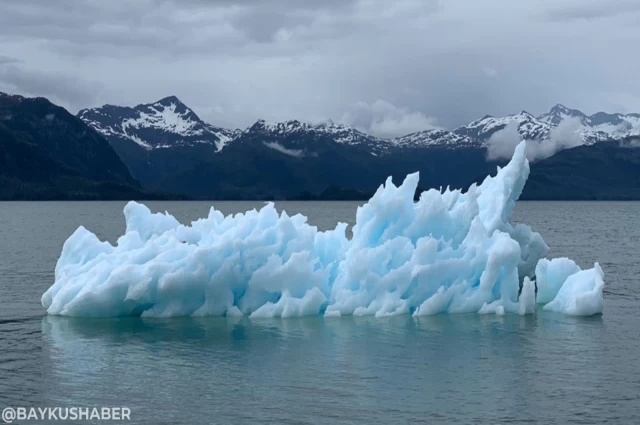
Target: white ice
(580,294)
(450,252)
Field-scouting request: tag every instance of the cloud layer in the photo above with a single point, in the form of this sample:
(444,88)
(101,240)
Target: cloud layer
(297,153)
(387,67)
(383,119)
(503,143)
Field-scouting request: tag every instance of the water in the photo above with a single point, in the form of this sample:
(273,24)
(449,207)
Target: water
(446,369)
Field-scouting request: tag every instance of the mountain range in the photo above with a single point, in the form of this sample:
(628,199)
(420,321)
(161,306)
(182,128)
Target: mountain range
(169,123)
(164,147)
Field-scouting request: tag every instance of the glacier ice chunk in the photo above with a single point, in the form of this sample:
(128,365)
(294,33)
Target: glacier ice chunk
(450,252)
(580,294)
(551,275)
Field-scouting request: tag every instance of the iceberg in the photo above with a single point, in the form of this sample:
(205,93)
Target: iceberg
(449,252)
(580,294)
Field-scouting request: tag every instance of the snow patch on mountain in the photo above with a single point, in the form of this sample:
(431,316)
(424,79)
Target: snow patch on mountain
(165,118)
(337,132)
(139,140)
(224,138)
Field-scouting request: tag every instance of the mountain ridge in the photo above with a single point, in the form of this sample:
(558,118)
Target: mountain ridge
(177,124)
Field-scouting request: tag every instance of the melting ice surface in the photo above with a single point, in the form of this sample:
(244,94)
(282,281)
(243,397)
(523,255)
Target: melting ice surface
(449,252)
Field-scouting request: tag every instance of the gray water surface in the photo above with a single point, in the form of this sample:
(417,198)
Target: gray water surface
(466,369)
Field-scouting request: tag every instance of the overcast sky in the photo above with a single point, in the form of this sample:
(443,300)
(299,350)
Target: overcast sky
(390,67)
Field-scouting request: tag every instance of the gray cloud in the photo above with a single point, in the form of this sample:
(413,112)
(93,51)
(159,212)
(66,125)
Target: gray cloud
(297,153)
(65,90)
(4,60)
(591,9)
(385,120)
(235,62)
(502,144)
(634,144)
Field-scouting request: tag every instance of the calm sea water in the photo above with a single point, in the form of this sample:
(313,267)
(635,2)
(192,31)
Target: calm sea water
(447,369)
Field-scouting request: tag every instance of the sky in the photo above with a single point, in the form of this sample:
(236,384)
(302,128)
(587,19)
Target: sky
(387,67)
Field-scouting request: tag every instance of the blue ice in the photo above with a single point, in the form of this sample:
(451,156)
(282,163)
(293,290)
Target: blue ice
(450,252)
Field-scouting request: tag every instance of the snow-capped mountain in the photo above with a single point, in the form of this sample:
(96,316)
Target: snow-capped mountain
(598,127)
(602,126)
(590,129)
(434,137)
(294,134)
(345,135)
(559,114)
(338,132)
(481,130)
(169,123)
(166,123)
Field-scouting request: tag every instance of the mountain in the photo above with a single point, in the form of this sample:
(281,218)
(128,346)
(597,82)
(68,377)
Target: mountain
(167,146)
(303,161)
(166,123)
(529,127)
(301,136)
(601,171)
(435,138)
(590,129)
(165,141)
(560,113)
(47,153)
(250,168)
(159,139)
(595,128)
(67,139)
(170,124)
